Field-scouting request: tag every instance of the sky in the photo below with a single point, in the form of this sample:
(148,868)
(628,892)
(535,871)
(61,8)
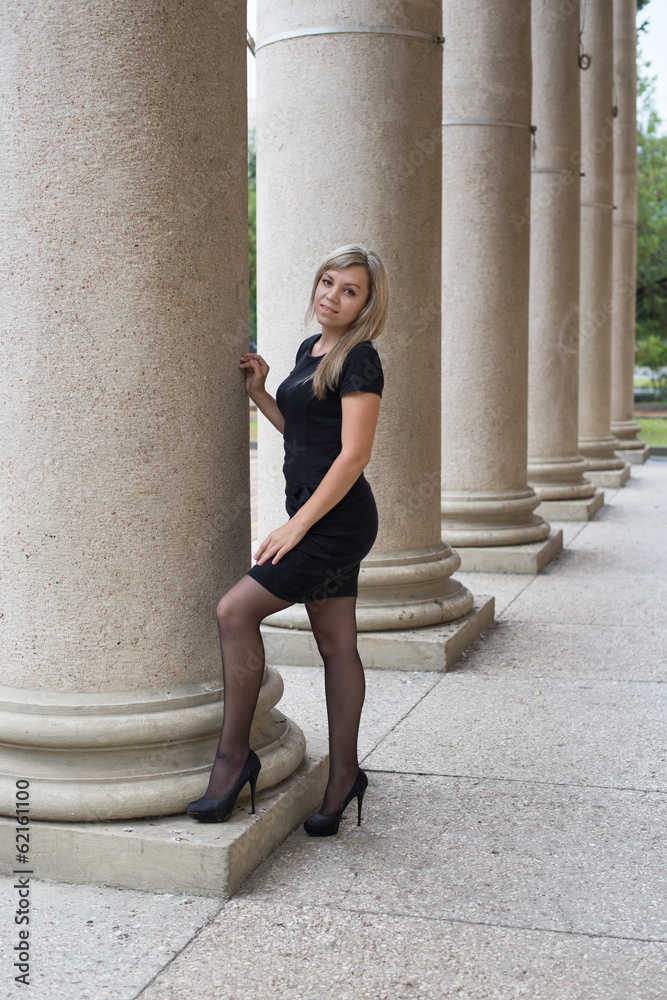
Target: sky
(653,48)
(652,43)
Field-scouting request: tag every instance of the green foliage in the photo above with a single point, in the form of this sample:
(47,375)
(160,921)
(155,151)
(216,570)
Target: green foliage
(652,353)
(651,216)
(252,238)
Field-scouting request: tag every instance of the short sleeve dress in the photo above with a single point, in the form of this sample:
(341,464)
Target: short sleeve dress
(325,562)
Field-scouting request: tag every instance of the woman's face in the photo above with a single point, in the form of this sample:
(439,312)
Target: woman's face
(340,296)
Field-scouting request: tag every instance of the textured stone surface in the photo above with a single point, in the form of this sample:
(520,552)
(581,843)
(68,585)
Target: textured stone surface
(124,257)
(549,886)
(618,651)
(93,941)
(382,126)
(433,647)
(624,273)
(124,497)
(610,477)
(504,586)
(391,956)
(598,128)
(175,852)
(592,601)
(485,275)
(520,854)
(555,469)
(535,728)
(390,696)
(571,510)
(529,557)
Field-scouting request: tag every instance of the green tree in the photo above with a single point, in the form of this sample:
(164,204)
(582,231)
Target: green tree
(252,237)
(651,210)
(652,353)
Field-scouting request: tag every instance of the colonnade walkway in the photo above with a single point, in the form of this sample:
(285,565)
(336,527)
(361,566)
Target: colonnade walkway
(513,836)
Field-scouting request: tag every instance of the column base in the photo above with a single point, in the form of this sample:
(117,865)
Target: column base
(531,558)
(129,755)
(412,588)
(435,647)
(559,479)
(609,477)
(491,518)
(571,510)
(627,432)
(174,853)
(634,455)
(600,453)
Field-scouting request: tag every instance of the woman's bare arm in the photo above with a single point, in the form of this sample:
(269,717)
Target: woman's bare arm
(267,404)
(255,370)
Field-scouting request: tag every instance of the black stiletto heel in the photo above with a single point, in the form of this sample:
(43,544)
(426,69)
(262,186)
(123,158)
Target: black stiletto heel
(360,798)
(253,782)
(218,810)
(325,824)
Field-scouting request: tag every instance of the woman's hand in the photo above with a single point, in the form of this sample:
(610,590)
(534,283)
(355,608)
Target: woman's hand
(256,370)
(279,541)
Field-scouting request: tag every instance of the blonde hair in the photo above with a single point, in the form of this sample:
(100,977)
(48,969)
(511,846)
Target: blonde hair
(368,325)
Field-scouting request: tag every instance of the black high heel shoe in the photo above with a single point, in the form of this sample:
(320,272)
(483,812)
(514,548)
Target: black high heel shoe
(218,810)
(325,824)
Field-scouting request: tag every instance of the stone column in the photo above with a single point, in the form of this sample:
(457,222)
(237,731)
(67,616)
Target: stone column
(348,150)
(487,505)
(624,272)
(596,442)
(555,468)
(125,486)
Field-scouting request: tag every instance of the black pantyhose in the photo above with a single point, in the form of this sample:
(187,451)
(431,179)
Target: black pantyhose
(334,626)
(240,613)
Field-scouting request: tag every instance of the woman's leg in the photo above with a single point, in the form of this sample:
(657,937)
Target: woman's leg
(334,626)
(239,614)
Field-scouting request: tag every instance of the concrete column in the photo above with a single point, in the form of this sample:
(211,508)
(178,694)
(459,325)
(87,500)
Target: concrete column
(555,468)
(624,273)
(125,486)
(348,150)
(596,442)
(487,505)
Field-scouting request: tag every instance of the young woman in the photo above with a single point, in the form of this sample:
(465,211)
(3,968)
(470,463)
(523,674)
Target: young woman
(327,409)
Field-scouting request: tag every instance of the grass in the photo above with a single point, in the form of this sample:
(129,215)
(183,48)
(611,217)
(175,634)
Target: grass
(653,429)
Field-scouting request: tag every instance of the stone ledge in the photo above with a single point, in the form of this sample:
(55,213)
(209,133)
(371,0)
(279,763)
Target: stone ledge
(530,558)
(571,510)
(175,853)
(609,477)
(433,647)
(635,456)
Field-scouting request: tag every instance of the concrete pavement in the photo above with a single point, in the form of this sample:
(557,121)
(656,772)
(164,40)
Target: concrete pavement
(513,838)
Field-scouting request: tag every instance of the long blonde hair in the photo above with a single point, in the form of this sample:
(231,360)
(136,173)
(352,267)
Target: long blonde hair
(368,325)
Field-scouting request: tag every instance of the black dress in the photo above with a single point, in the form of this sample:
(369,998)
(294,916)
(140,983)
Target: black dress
(325,562)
